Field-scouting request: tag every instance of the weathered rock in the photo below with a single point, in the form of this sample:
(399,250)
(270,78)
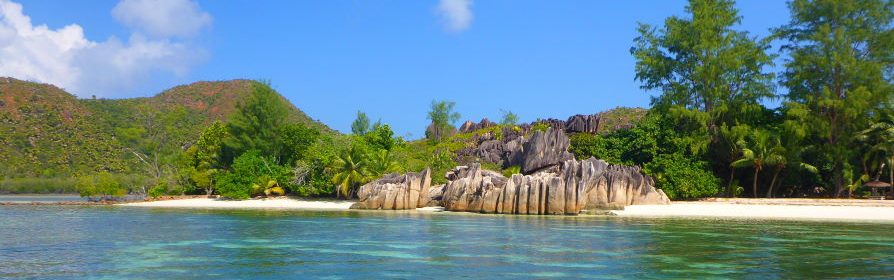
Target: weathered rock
(470,126)
(544,149)
(573,187)
(582,124)
(396,192)
(434,196)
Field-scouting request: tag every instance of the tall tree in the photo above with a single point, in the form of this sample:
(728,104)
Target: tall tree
(706,72)
(839,73)
(360,126)
(204,158)
(442,119)
(296,139)
(257,123)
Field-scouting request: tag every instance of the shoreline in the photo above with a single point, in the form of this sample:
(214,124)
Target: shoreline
(842,210)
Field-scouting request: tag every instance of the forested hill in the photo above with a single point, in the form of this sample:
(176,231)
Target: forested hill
(47,132)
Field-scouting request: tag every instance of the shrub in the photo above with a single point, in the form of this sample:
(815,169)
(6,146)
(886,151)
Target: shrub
(248,170)
(509,171)
(157,191)
(103,185)
(682,178)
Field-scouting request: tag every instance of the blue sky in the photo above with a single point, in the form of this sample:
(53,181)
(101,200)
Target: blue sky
(390,59)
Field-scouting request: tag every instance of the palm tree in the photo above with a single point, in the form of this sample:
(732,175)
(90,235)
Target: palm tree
(382,163)
(349,170)
(730,137)
(764,151)
(788,159)
(880,138)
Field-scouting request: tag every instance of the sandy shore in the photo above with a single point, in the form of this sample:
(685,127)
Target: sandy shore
(798,209)
(275,203)
(840,210)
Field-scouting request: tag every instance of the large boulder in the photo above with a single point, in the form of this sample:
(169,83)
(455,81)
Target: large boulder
(396,192)
(570,188)
(544,149)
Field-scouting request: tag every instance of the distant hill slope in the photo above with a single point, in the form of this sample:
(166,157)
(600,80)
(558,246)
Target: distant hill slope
(45,131)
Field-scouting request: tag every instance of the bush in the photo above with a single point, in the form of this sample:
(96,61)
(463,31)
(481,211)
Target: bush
(248,170)
(509,171)
(38,185)
(103,185)
(157,191)
(681,177)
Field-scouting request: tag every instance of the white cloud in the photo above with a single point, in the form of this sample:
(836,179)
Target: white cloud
(66,58)
(162,18)
(456,15)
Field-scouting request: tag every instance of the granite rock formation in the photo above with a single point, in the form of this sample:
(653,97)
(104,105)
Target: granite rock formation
(396,192)
(544,149)
(569,188)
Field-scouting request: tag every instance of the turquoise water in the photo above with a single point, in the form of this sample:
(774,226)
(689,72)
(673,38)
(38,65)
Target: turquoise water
(118,242)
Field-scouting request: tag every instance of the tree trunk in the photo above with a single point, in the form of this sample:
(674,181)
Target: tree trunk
(754,187)
(729,185)
(891,173)
(773,183)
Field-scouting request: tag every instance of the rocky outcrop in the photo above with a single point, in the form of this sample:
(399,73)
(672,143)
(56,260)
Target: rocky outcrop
(544,149)
(396,192)
(470,126)
(582,124)
(570,188)
(551,182)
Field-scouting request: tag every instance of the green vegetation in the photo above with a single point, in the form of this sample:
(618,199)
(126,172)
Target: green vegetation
(708,133)
(442,119)
(713,81)
(508,118)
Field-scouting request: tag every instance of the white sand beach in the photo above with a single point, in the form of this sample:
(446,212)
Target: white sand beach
(801,209)
(274,203)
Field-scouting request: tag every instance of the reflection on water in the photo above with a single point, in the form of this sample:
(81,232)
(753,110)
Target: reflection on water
(116,242)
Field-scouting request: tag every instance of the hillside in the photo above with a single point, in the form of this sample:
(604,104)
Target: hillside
(47,132)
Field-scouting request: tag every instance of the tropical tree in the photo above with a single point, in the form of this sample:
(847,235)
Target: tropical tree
(707,72)
(257,123)
(879,137)
(204,158)
(841,60)
(765,150)
(442,119)
(508,118)
(381,163)
(731,138)
(295,140)
(360,126)
(349,170)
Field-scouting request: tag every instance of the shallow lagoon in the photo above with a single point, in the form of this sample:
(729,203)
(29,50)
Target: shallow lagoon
(121,242)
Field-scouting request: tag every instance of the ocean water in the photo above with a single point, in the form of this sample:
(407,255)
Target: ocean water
(113,242)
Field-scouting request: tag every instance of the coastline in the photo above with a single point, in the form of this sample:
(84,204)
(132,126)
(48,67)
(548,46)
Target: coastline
(789,209)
